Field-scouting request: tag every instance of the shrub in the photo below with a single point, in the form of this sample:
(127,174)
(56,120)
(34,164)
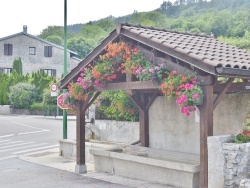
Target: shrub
(22,95)
(37,106)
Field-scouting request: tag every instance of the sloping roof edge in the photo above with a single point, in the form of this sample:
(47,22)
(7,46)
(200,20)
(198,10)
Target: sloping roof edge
(37,38)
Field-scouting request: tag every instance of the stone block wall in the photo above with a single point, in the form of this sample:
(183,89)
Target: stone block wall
(237,164)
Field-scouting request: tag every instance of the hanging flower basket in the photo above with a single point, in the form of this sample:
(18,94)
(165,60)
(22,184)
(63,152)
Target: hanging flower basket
(199,100)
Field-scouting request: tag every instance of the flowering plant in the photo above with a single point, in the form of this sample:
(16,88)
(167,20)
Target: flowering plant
(79,91)
(240,136)
(184,88)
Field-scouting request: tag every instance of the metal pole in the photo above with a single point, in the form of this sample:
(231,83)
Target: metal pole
(65,68)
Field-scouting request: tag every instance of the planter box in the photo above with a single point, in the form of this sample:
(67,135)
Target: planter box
(165,167)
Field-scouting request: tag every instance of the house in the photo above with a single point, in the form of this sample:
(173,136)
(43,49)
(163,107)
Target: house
(36,54)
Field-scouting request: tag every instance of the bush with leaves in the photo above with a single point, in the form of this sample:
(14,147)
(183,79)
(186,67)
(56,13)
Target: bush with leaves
(22,95)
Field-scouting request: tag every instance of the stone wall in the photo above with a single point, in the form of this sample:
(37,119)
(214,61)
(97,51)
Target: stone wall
(228,163)
(237,163)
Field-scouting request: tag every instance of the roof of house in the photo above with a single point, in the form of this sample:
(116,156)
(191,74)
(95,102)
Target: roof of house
(199,50)
(37,38)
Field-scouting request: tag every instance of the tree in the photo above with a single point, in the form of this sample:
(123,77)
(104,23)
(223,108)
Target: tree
(81,45)
(17,66)
(55,39)
(50,31)
(106,24)
(93,32)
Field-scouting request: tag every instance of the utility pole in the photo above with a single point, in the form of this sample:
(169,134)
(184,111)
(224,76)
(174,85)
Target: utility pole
(65,68)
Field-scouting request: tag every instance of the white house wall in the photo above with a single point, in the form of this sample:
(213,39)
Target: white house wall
(33,63)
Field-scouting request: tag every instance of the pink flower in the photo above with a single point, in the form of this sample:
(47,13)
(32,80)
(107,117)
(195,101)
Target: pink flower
(174,72)
(195,96)
(82,69)
(138,71)
(151,71)
(188,86)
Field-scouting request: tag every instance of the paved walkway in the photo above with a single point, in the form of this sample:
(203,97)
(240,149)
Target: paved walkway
(52,159)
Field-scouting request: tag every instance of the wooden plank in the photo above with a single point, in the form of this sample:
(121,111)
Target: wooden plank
(206,129)
(80,135)
(223,92)
(127,86)
(151,100)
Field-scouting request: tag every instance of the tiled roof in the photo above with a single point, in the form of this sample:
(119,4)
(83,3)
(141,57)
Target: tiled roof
(37,38)
(198,50)
(203,48)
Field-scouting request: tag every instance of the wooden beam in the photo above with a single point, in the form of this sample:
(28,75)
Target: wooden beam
(80,135)
(93,99)
(151,100)
(127,86)
(223,92)
(206,129)
(234,87)
(136,102)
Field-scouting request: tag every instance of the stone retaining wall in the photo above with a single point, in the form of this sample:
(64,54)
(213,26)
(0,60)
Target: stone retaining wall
(237,163)
(228,163)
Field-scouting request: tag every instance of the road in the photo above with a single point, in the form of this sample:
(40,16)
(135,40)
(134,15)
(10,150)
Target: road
(23,134)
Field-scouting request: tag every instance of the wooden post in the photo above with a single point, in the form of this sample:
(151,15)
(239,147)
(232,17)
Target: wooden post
(80,140)
(206,129)
(144,122)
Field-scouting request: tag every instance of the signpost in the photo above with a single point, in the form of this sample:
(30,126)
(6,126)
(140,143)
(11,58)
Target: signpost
(60,103)
(53,89)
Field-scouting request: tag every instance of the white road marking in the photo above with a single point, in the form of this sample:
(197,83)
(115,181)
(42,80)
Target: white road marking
(36,149)
(29,126)
(44,130)
(4,136)
(4,140)
(8,157)
(5,143)
(14,145)
(34,145)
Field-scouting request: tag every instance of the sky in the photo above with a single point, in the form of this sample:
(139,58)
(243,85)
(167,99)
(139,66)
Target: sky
(38,14)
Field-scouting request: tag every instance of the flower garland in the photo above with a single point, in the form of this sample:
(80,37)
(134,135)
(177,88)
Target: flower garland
(121,58)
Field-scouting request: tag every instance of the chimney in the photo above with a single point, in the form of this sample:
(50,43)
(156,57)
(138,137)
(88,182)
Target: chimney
(25,29)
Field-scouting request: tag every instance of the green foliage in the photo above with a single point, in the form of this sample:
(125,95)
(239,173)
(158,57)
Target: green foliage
(51,31)
(116,106)
(81,45)
(22,95)
(106,24)
(37,106)
(243,42)
(18,66)
(93,32)
(55,39)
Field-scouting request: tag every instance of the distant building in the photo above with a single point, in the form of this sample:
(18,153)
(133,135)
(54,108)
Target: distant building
(36,54)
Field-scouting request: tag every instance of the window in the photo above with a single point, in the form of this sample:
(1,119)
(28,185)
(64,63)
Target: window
(47,51)
(49,72)
(32,51)
(8,48)
(6,70)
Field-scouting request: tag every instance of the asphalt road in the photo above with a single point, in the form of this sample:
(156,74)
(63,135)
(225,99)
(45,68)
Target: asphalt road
(23,134)
(15,173)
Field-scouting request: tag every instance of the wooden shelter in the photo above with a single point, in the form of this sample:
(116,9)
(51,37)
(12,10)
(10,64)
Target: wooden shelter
(182,51)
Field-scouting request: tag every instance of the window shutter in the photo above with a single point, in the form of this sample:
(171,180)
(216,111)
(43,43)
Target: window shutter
(50,51)
(10,49)
(54,72)
(46,51)
(5,49)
